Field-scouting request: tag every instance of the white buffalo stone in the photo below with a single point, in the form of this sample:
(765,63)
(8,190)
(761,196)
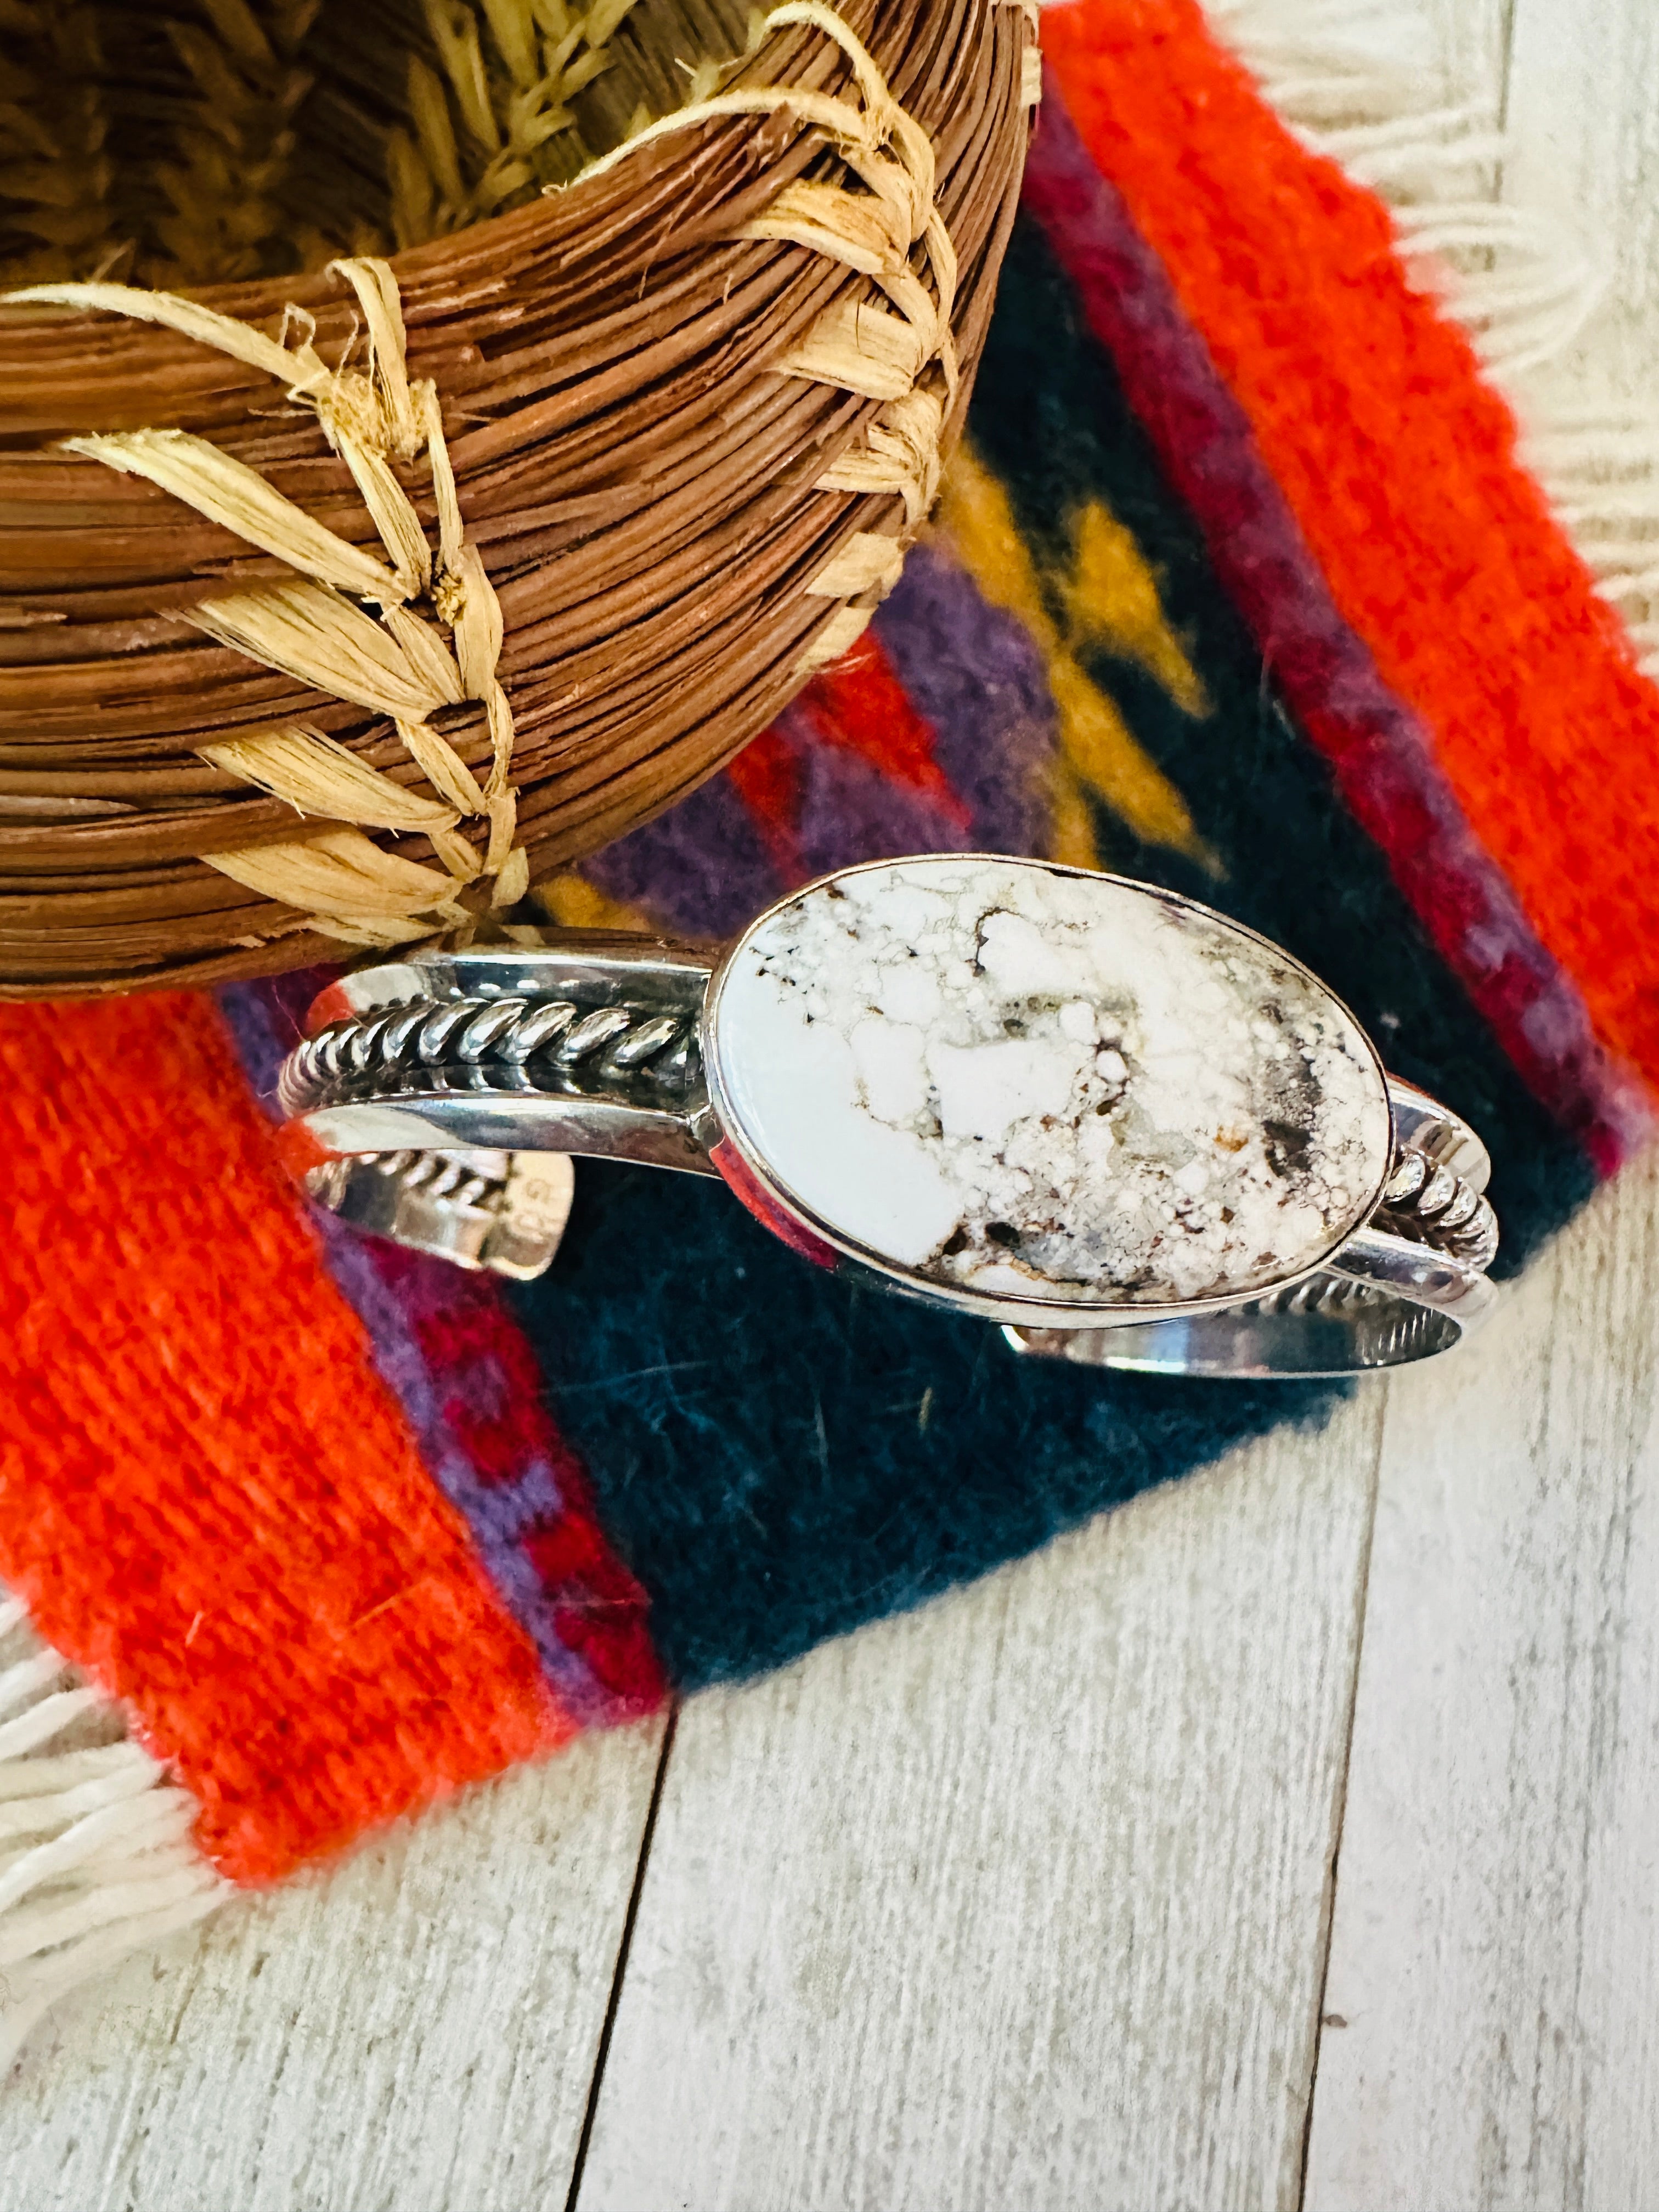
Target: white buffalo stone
(1011,1080)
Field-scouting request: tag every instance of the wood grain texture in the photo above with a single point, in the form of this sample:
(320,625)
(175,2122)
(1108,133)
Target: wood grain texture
(1019,1899)
(1494,1970)
(1457,48)
(1492,2003)
(1583,104)
(413,2032)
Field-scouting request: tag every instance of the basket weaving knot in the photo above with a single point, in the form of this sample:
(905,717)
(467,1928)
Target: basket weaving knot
(448,597)
(349,409)
(349,625)
(882,224)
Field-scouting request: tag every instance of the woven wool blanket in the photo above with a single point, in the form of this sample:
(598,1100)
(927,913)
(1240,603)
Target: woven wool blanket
(1241,584)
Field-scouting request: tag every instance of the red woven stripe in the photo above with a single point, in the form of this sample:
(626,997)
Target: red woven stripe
(860,706)
(207,1497)
(1399,463)
(492,1404)
(767,776)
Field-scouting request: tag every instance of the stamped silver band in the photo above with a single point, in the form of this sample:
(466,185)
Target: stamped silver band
(1340,1224)
(505,1211)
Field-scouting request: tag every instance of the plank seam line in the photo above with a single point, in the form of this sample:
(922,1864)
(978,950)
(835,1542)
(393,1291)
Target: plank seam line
(1505,78)
(614,2001)
(1340,1811)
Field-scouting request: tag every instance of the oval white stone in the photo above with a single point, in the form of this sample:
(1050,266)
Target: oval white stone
(1031,1083)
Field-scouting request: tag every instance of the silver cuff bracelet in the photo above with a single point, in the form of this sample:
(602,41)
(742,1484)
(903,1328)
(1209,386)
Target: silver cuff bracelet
(1128,1130)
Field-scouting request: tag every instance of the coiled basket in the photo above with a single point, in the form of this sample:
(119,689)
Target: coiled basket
(577,382)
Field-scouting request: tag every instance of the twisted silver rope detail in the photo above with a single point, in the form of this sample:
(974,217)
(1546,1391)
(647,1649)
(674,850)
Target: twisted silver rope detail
(1432,1206)
(618,1043)
(1319,1294)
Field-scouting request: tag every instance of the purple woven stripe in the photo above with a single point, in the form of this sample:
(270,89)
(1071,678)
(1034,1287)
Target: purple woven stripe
(976,674)
(1383,756)
(970,670)
(850,811)
(700,868)
(394,1294)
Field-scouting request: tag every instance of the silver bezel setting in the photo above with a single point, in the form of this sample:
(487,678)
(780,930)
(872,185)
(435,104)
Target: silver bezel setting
(1100,1314)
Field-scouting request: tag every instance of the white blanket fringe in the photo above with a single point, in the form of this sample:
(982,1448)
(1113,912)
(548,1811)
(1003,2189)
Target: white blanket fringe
(96,1856)
(1523,280)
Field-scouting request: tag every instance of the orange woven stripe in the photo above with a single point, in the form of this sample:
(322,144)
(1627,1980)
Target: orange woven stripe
(207,1497)
(1399,463)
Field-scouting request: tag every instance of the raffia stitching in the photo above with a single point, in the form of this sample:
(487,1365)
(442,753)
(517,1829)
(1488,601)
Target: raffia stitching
(395,662)
(903,353)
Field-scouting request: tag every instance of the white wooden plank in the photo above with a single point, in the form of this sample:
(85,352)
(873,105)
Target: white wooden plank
(413,2032)
(1495,1962)
(1454,48)
(1467,40)
(1018,1900)
(1583,107)
(1493,1994)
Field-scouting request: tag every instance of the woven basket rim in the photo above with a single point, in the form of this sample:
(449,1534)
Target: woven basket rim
(606,187)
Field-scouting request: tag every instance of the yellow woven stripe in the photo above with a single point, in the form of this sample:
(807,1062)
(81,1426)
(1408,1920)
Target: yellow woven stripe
(1112,599)
(1071,820)
(1094,740)
(573,903)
